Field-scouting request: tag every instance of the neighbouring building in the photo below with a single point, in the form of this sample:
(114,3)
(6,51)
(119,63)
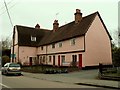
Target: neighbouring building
(84,41)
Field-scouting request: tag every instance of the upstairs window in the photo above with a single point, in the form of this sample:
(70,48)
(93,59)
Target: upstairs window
(53,45)
(73,41)
(33,38)
(60,44)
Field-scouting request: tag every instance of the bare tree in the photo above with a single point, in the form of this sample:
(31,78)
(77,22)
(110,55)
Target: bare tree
(5,43)
(115,37)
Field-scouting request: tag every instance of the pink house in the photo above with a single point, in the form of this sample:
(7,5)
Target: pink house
(84,41)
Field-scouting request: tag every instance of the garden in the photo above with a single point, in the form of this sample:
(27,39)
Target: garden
(48,69)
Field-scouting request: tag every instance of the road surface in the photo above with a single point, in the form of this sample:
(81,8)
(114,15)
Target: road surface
(29,82)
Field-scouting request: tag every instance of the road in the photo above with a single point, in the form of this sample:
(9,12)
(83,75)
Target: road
(29,82)
(37,81)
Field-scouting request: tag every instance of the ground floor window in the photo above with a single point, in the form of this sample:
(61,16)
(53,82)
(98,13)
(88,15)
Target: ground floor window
(63,58)
(74,60)
(32,60)
(43,59)
(50,59)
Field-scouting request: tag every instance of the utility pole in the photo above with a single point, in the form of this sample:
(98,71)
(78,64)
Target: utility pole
(13,29)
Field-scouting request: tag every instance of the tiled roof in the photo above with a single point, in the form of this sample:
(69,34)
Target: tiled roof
(44,37)
(69,30)
(25,33)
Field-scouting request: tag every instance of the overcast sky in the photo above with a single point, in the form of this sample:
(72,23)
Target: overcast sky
(31,12)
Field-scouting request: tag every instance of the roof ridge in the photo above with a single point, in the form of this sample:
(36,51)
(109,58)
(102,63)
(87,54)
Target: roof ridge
(83,17)
(32,27)
(24,26)
(91,14)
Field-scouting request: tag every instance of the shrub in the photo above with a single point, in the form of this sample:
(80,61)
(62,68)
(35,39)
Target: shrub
(5,59)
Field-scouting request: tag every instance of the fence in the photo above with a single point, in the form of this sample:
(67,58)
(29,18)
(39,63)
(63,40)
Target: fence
(107,71)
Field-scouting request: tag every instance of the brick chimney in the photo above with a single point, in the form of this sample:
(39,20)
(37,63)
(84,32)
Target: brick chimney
(37,26)
(78,16)
(55,25)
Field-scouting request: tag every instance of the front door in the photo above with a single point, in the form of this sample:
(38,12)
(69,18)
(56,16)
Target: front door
(30,61)
(53,60)
(80,61)
(74,60)
(59,61)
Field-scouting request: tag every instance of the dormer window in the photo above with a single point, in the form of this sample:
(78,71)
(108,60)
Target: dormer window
(33,38)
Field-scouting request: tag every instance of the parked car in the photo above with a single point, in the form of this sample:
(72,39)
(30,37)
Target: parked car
(11,68)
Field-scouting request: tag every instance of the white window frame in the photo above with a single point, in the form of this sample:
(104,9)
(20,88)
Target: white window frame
(50,59)
(73,42)
(33,38)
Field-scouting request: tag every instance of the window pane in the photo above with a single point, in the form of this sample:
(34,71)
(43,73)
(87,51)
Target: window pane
(60,44)
(53,45)
(49,58)
(14,65)
(63,59)
(33,38)
(73,41)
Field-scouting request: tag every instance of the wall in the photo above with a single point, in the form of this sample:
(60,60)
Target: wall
(66,50)
(16,36)
(68,58)
(66,46)
(98,44)
(26,52)
(15,46)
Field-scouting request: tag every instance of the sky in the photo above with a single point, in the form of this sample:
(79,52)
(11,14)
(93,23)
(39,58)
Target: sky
(44,12)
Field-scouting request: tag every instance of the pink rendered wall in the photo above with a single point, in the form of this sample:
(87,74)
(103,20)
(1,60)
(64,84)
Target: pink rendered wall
(16,35)
(15,45)
(98,45)
(68,58)
(26,52)
(66,46)
(16,52)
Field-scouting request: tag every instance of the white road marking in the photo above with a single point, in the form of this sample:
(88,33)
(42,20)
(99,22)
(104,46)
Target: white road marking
(4,85)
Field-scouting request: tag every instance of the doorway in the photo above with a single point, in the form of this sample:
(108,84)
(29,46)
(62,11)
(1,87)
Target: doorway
(80,61)
(53,60)
(59,61)
(30,61)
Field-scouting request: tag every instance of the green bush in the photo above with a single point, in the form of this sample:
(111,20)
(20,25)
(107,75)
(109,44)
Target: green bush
(116,55)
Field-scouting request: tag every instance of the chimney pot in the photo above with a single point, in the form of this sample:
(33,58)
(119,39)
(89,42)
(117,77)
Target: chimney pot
(78,11)
(37,26)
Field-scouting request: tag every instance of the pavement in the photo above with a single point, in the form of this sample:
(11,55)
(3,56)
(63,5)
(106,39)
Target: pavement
(81,78)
